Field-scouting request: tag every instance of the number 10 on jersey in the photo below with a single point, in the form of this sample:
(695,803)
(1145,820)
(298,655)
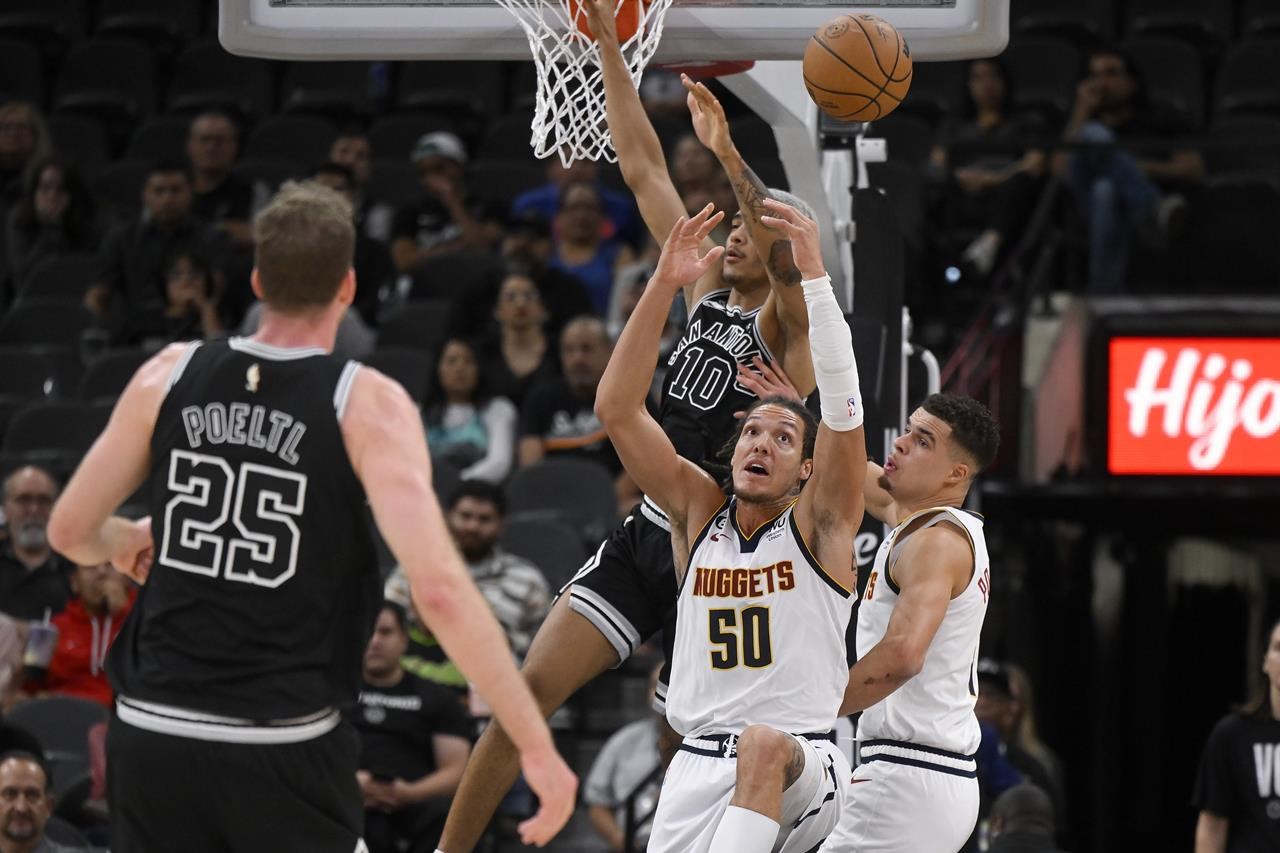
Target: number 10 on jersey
(742,636)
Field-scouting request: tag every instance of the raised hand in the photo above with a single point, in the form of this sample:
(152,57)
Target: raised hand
(680,262)
(766,381)
(709,121)
(601,21)
(806,247)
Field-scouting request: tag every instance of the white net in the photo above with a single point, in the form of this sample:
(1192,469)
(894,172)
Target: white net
(569,114)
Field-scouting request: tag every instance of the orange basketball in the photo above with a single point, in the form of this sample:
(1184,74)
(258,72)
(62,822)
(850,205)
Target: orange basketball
(626,17)
(857,68)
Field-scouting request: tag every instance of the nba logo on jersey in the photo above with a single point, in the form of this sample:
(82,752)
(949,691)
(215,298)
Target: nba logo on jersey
(852,402)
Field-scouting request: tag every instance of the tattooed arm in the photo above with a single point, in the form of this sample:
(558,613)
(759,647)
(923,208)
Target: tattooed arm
(784,320)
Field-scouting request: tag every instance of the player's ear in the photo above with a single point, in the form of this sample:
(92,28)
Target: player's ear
(255,283)
(347,290)
(959,473)
(806,469)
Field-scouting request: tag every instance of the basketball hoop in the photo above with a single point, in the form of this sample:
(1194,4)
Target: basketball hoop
(569,111)
(708,70)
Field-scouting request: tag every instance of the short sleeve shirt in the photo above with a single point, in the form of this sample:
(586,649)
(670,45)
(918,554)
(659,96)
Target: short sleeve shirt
(628,759)
(1239,779)
(567,425)
(397,725)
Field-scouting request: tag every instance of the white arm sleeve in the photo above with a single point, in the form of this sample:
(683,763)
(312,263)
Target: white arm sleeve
(500,422)
(831,345)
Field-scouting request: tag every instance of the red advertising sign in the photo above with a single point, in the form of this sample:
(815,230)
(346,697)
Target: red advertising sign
(1194,406)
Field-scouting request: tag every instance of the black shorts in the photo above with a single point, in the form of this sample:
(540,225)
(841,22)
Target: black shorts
(169,792)
(627,589)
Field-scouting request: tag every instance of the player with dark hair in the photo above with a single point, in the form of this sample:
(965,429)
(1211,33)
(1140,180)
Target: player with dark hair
(919,624)
(261,582)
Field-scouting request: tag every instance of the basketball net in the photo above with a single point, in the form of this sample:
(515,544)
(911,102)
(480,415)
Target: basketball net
(569,113)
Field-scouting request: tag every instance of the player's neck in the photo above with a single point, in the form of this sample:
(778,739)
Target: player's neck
(749,299)
(945,497)
(295,331)
(1275,702)
(751,515)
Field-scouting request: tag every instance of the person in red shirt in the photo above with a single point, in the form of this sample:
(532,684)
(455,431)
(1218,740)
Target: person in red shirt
(86,629)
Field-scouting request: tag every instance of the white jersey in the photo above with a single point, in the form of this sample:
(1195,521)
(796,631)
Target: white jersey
(760,632)
(935,708)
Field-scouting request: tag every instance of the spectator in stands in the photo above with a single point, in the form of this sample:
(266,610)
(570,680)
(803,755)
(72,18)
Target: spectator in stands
(134,256)
(55,216)
(192,288)
(218,196)
(414,744)
(86,629)
(373,218)
(582,250)
(1119,190)
(24,139)
(993,168)
(1005,702)
(515,588)
(33,579)
(620,213)
(372,259)
(522,354)
(629,764)
(1022,822)
(26,804)
(1236,787)
(444,220)
(527,243)
(558,417)
(467,426)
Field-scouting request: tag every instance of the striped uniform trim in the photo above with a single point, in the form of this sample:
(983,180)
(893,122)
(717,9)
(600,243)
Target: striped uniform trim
(197,725)
(342,392)
(831,794)
(180,365)
(273,353)
(660,698)
(915,755)
(592,563)
(615,627)
(654,513)
(726,746)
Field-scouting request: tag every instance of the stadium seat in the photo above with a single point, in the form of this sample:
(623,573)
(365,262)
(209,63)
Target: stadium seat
(444,86)
(1173,73)
(52,24)
(394,182)
(45,321)
(66,276)
(118,185)
(110,78)
(937,91)
(1259,17)
(507,138)
(9,406)
(410,367)
(160,138)
(392,137)
(1238,217)
(1206,23)
(270,171)
(28,373)
(551,545)
(21,73)
(420,325)
(1045,71)
(1243,144)
(164,24)
(304,140)
(81,140)
(69,427)
(454,275)
(337,89)
(576,491)
(1249,79)
(444,479)
(106,377)
(205,76)
(60,723)
(497,183)
(1083,22)
(909,138)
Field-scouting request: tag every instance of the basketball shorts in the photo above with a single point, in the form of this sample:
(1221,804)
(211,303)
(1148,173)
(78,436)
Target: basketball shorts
(906,798)
(627,589)
(700,782)
(169,792)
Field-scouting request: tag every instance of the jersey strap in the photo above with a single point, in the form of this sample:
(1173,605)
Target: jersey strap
(197,725)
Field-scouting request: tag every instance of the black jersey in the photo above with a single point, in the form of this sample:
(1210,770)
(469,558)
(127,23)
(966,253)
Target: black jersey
(265,583)
(700,392)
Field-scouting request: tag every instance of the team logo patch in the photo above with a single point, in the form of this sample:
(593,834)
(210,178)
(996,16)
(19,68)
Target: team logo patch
(731,746)
(252,377)
(375,715)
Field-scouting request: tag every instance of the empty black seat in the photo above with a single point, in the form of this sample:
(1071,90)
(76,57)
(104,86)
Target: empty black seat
(28,372)
(52,24)
(507,138)
(205,76)
(445,85)
(410,367)
(118,185)
(59,322)
(302,139)
(166,24)
(108,77)
(62,427)
(1259,17)
(909,138)
(1238,218)
(80,139)
(1174,74)
(1082,22)
(160,138)
(453,275)
(268,171)
(393,137)
(1243,144)
(106,377)
(338,89)
(1249,79)
(420,325)
(1045,72)
(937,90)
(550,544)
(1203,22)
(578,492)
(65,276)
(497,183)
(21,72)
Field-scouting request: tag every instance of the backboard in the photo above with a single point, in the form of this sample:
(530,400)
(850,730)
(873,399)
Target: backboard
(694,30)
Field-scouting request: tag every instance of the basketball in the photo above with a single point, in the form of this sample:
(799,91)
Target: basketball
(857,68)
(626,18)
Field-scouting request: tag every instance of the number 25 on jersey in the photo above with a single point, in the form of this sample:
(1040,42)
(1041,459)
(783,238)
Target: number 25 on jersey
(240,524)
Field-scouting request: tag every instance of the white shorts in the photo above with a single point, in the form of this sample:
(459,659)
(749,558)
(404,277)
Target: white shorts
(906,799)
(700,782)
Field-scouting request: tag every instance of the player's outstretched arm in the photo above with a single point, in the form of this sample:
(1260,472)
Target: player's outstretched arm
(640,157)
(831,504)
(786,303)
(384,439)
(82,527)
(934,566)
(648,454)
